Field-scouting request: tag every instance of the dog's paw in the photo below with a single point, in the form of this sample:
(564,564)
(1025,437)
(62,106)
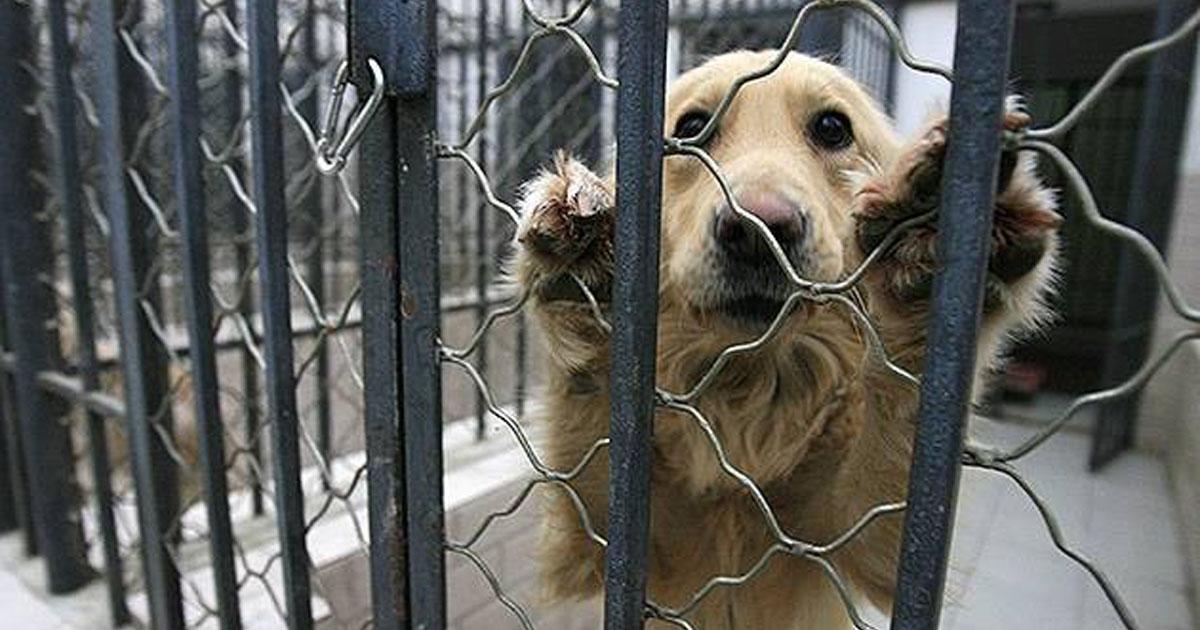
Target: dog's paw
(1024,221)
(566,229)
(564,212)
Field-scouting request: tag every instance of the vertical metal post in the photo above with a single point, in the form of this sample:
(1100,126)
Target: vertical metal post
(29,303)
(10,508)
(530,107)
(243,260)
(68,179)
(379,198)
(420,292)
(462,185)
(641,70)
(18,479)
(592,147)
(272,233)
(185,118)
(14,466)
(508,126)
(400,304)
(12,478)
(141,364)
(401,37)
(483,257)
(385,456)
(135,111)
(982,45)
(41,418)
(314,217)
(506,56)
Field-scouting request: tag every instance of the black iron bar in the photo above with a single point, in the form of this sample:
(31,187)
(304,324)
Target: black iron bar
(18,481)
(251,414)
(152,473)
(10,493)
(982,45)
(380,326)
(642,42)
(507,56)
(380,249)
(272,236)
(30,309)
(185,117)
(483,212)
(68,178)
(312,210)
(419,304)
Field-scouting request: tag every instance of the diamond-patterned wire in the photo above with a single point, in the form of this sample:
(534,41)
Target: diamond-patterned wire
(336,479)
(335,474)
(842,293)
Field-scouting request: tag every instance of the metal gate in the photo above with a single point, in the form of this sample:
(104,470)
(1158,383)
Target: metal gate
(160,139)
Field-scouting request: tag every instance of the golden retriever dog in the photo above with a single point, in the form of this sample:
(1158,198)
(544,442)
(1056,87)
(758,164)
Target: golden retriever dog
(813,416)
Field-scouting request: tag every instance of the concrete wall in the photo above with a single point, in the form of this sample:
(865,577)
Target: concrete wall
(928,28)
(1170,421)
(1170,413)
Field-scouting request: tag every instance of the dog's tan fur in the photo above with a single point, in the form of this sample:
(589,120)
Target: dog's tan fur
(819,424)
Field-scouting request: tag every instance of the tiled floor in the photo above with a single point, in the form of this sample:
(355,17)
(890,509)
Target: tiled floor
(1005,572)
(24,604)
(24,609)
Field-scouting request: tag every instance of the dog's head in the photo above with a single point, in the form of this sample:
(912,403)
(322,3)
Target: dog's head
(789,146)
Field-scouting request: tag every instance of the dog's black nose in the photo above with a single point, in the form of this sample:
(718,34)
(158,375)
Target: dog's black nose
(742,240)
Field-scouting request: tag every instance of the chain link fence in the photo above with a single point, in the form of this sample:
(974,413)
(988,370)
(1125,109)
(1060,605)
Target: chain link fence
(214,339)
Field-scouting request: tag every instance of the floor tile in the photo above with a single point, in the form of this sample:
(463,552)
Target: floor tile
(1153,606)
(1005,571)
(23,608)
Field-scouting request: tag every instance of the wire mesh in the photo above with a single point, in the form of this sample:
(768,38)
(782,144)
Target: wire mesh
(325,310)
(842,293)
(491,158)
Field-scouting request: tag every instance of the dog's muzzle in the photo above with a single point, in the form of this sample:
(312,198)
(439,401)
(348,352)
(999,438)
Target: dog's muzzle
(744,243)
(754,283)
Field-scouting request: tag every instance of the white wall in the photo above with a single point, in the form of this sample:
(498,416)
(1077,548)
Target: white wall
(1191,150)
(1170,409)
(1162,415)
(928,28)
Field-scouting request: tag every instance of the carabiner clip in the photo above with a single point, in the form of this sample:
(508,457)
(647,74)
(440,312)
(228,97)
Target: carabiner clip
(332,151)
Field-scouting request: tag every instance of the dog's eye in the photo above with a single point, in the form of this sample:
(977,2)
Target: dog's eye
(691,124)
(831,130)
